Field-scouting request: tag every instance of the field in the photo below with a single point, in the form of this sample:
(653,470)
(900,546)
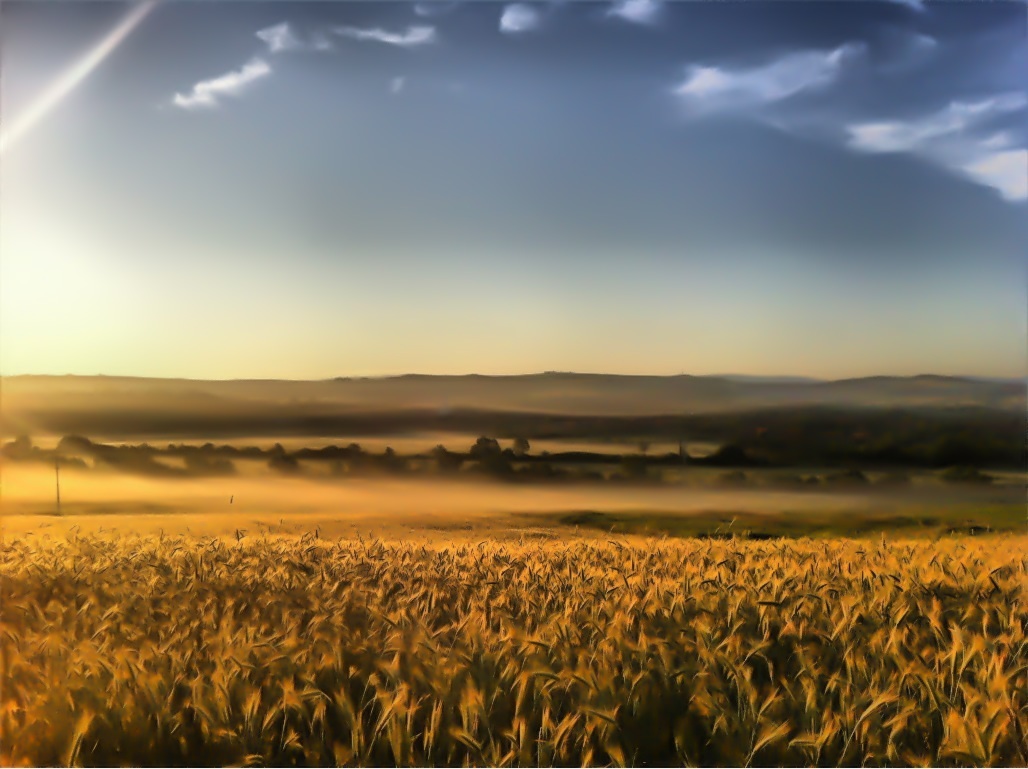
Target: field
(285,650)
(256,501)
(513,384)
(270,620)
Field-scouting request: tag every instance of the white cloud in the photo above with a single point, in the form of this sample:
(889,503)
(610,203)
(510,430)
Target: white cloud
(519,17)
(951,137)
(414,36)
(919,42)
(998,141)
(1005,171)
(916,5)
(636,11)
(396,84)
(434,8)
(882,137)
(948,123)
(207,92)
(718,88)
(279,38)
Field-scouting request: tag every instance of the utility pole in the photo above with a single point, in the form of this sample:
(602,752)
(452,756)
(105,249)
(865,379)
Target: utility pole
(57,474)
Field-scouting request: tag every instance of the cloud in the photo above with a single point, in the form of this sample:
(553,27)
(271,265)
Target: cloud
(1006,171)
(636,11)
(914,5)
(998,141)
(920,42)
(321,43)
(950,122)
(436,8)
(956,138)
(280,38)
(396,84)
(917,47)
(207,92)
(414,36)
(711,88)
(898,50)
(519,17)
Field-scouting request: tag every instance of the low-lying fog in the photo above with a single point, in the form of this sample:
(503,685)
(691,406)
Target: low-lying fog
(221,505)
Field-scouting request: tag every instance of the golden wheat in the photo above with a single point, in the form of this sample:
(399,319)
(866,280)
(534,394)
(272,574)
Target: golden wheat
(299,651)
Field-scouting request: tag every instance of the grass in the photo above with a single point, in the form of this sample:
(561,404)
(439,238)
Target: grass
(283,651)
(908,521)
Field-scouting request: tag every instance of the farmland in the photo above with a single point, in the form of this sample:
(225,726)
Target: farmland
(609,649)
(523,384)
(801,586)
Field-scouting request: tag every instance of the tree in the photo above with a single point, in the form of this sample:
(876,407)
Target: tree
(634,467)
(848,478)
(284,463)
(391,462)
(966,475)
(895,479)
(485,449)
(490,458)
(356,459)
(200,464)
(644,446)
(446,461)
(521,446)
(75,444)
(733,479)
(20,448)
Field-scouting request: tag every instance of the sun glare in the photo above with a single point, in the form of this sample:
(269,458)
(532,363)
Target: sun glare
(74,75)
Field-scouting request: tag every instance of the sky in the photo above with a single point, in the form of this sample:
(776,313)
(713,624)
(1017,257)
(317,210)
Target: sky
(310,190)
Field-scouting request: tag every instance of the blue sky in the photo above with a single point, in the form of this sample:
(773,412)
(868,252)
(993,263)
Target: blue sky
(306,190)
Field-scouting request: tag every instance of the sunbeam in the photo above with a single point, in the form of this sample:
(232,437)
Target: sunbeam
(75,74)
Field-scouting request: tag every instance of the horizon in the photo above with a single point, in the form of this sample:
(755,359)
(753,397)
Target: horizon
(769,378)
(249,190)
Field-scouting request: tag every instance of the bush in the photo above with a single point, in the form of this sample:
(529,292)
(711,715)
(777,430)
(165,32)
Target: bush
(966,475)
(730,456)
(895,480)
(733,479)
(198,464)
(634,466)
(788,480)
(848,478)
(286,464)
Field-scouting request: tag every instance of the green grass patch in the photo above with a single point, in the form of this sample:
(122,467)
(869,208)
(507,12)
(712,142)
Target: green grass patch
(919,522)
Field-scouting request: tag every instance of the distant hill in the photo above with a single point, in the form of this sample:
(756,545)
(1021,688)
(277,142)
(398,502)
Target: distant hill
(30,403)
(767,379)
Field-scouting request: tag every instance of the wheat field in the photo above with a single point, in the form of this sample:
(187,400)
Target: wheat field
(277,650)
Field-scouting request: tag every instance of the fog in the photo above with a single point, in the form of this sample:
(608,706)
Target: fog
(125,408)
(385,507)
(405,443)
